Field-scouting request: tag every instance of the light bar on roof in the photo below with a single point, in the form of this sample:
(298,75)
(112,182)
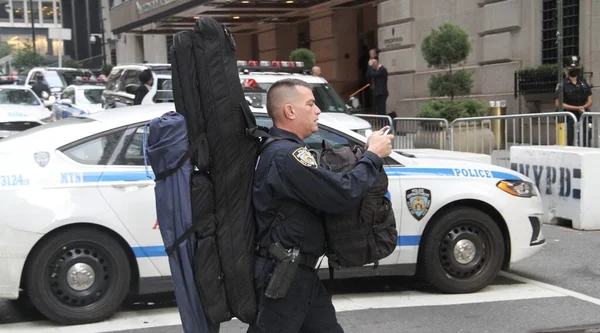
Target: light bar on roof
(271,66)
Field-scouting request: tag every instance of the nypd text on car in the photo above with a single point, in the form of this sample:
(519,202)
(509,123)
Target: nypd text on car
(78,225)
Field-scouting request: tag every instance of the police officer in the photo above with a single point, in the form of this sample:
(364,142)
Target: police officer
(291,192)
(577,99)
(40,86)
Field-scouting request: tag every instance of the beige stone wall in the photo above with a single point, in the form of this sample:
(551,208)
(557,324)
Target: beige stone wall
(505,36)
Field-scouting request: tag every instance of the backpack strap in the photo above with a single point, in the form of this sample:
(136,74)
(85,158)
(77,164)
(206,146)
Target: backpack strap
(192,149)
(287,209)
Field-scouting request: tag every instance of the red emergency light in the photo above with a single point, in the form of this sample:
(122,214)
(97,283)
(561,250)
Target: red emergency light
(271,66)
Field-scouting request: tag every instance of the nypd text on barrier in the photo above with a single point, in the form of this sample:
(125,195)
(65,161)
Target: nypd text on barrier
(546,176)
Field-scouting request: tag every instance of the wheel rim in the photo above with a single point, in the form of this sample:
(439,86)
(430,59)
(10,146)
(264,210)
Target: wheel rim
(465,251)
(80,274)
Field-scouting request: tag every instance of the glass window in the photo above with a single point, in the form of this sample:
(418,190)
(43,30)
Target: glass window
(4,11)
(36,12)
(131,152)
(96,151)
(164,84)
(54,80)
(130,77)
(91,96)
(112,82)
(18,97)
(326,98)
(69,93)
(18,11)
(48,12)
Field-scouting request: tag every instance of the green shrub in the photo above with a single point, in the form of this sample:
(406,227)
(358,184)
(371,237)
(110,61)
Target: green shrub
(305,55)
(451,110)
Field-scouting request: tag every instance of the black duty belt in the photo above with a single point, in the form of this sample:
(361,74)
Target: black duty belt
(304,259)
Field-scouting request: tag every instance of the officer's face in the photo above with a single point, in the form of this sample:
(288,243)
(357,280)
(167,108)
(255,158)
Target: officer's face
(307,112)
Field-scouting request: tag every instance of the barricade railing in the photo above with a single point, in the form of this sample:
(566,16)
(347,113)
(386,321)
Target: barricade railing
(418,133)
(494,135)
(588,132)
(377,121)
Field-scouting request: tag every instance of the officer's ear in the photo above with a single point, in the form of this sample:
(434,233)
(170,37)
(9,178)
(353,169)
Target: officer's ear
(289,112)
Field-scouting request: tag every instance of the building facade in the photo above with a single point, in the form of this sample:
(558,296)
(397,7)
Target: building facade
(506,35)
(16,19)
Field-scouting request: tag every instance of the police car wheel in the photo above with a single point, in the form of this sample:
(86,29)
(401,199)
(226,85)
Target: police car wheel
(463,251)
(78,276)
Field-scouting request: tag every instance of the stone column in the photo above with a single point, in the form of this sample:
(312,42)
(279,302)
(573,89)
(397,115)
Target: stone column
(244,45)
(396,42)
(334,40)
(276,41)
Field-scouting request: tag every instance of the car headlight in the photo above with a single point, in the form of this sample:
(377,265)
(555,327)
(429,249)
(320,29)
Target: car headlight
(518,188)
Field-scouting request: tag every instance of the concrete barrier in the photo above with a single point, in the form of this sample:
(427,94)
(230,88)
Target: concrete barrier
(558,172)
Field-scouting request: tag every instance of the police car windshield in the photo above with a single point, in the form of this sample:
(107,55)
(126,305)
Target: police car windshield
(325,97)
(92,96)
(17,97)
(61,79)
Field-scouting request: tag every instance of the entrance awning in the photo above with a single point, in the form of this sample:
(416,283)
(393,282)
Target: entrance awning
(242,16)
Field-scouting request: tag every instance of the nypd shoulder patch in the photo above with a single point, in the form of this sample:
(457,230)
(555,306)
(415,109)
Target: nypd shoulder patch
(304,157)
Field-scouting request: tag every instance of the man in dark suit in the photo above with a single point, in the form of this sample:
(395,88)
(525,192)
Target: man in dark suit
(146,81)
(378,77)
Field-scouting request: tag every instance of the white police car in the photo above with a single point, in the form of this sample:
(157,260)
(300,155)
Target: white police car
(78,227)
(263,74)
(20,109)
(84,96)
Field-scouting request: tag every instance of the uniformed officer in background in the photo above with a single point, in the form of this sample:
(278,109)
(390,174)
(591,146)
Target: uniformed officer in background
(577,99)
(292,191)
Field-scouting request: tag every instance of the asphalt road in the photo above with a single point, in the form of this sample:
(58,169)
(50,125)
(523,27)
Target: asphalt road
(556,290)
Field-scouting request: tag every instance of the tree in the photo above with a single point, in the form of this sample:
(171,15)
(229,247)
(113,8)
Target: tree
(106,69)
(442,48)
(25,58)
(71,63)
(5,49)
(305,55)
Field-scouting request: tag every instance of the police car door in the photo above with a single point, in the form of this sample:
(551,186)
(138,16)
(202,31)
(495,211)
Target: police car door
(338,139)
(129,190)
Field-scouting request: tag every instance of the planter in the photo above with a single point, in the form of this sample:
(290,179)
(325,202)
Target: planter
(473,138)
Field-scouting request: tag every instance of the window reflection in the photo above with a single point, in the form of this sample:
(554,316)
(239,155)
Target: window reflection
(4,11)
(48,12)
(36,12)
(18,11)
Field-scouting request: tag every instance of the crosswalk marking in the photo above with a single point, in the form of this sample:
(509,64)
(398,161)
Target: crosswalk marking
(527,289)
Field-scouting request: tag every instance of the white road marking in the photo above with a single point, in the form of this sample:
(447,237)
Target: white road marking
(345,302)
(557,289)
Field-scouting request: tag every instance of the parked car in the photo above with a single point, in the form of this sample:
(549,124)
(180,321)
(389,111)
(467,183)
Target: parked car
(20,109)
(79,231)
(123,81)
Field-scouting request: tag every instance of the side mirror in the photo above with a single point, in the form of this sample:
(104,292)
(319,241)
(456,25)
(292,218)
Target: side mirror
(131,88)
(32,82)
(354,102)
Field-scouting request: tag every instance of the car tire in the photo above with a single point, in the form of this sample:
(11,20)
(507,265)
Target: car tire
(463,251)
(78,276)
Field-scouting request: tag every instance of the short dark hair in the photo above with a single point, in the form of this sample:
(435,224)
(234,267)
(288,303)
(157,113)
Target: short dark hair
(285,84)
(144,76)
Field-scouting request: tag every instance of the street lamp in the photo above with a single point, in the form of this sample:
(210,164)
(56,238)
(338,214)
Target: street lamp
(94,38)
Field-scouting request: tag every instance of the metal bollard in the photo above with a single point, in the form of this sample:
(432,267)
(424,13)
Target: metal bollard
(498,108)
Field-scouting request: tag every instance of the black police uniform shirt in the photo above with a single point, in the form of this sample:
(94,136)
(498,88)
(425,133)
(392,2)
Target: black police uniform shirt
(575,94)
(286,170)
(39,87)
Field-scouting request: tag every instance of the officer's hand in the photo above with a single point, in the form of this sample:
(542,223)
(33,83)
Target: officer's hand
(380,144)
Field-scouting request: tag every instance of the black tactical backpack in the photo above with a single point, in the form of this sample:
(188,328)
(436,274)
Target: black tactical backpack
(367,233)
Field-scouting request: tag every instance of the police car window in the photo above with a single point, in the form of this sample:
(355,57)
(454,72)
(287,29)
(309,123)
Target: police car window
(18,97)
(315,141)
(130,77)
(113,79)
(95,151)
(165,84)
(92,96)
(131,153)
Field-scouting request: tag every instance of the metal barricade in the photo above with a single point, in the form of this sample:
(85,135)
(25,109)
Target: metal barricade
(475,135)
(588,133)
(418,133)
(376,121)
